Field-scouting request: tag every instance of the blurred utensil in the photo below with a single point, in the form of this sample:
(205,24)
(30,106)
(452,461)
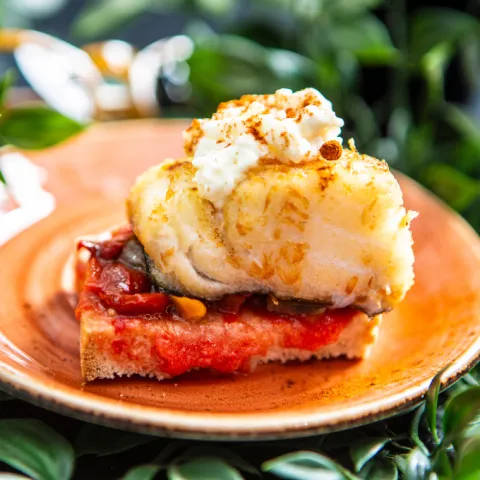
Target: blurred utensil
(165,60)
(104,80)
(62,75)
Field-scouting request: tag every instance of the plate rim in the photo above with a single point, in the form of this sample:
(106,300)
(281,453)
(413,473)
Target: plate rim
(236,426)
(151,422)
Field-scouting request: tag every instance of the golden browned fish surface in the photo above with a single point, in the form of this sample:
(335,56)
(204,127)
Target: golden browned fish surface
(332,232)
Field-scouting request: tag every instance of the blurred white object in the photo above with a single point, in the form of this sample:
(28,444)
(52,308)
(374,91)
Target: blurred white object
(164,57)
(63,75)
(23,202)
(36,8)
(102,80)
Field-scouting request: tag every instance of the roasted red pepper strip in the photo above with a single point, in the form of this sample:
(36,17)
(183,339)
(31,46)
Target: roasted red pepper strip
(115,278)
(108,249)
(124,289)
(111,250)
(136,304)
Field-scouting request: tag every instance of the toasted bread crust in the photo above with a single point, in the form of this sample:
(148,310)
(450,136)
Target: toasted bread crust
(100,359)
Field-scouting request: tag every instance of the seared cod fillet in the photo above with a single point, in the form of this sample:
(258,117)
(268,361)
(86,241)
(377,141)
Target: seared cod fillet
(330,232)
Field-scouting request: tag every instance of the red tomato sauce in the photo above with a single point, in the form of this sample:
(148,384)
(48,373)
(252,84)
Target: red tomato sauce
(231,347)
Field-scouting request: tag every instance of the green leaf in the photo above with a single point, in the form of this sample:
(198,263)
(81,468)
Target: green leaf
(432,404)
(227,66)
(36,127)
(288,64)
(441,464)
(363,451)
(454,186)
(101,441)
(418,465)
(470,379)
(401,461)
(470,61)
(2,178)
(143,472)
(352,7)
(203,468)
(433,26)
(216,8)
(468,461)
(434,64)
(307,466)
(473,430)
(380,469)
(460,411)
(461,121)
(35,449)
(305,10)
(6,82)
(367,38)
(419,143)
(414,429)
(399,124)
(226,454)
(12,476)
(101,17)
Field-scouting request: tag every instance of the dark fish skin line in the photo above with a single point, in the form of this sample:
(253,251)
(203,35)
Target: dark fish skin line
(149,267)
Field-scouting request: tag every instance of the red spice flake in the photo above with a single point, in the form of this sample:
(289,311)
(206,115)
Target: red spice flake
(331,150)
(196,132)
(254,124)
(286,139)
(291,113)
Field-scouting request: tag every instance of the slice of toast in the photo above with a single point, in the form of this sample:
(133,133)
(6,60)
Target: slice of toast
(164,344)
(162,349)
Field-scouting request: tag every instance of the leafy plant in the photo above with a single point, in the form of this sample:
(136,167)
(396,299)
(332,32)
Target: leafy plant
(442,442)
(143,472)
(385,72)
(307,465)
(203,467)
(35,449)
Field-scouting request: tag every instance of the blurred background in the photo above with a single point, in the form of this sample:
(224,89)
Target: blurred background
(404,75)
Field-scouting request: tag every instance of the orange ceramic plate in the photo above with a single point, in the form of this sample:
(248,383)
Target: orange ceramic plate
(437,325)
